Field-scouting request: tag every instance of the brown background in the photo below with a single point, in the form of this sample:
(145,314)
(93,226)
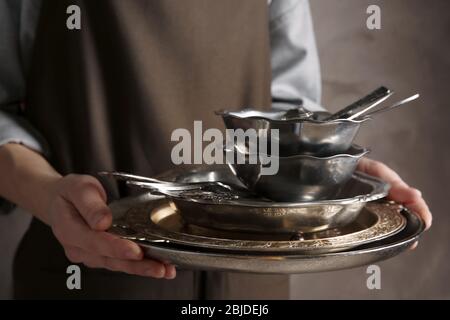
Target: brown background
(411,53)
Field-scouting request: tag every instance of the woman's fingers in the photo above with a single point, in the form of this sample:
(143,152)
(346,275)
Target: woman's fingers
(88,197)
(412,199)
(380,170)
(145,268)
(404,194)
(400,191)
(421,208)
(171,272)
(79,218)
(71,229)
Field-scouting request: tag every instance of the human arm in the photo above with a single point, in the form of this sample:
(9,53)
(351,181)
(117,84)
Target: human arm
(73,206)
(294,58)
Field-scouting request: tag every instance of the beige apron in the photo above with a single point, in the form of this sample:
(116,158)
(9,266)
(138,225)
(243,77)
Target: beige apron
(108,96)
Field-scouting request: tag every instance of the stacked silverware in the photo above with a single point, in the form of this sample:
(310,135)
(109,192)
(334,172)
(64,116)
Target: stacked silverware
(315,213)
(317,161)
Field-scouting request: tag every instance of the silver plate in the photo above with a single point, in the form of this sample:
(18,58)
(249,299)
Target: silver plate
(281,263)
(258,215)
(159,220)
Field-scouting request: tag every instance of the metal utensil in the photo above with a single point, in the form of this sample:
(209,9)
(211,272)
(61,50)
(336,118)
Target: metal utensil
(127,176)
(297,113)
(156,184)
(384,109)
(370,101)
(293,114)
(214,191)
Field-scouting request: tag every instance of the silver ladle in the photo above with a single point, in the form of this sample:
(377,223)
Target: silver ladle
(366,103)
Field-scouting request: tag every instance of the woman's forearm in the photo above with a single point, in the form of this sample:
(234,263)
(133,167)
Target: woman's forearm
(26,179)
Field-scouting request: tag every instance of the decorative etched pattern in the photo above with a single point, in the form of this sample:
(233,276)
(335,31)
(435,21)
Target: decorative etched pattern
(137,224)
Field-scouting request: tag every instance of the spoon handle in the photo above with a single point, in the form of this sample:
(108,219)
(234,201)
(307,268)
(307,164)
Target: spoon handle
(127,177)
(394,106)
(368,100)
(369,107)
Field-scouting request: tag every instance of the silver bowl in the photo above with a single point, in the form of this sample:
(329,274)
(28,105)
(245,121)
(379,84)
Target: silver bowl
(255,214)
(306,135)
(299,177)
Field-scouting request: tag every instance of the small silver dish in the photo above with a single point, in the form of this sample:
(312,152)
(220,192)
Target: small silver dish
(253,214)
(299,177)
(311,135)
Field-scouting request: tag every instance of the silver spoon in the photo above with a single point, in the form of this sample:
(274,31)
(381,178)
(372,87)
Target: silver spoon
(179,187)
(127,177)
(395,105)
(160,184)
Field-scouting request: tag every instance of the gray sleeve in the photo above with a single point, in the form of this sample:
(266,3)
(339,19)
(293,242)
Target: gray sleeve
(295,62)
(17,26)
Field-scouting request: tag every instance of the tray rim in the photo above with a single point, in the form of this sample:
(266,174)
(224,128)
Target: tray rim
(150,230)
(369,253)
(379,191)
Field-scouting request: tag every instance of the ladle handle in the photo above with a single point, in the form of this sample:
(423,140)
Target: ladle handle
(370,100)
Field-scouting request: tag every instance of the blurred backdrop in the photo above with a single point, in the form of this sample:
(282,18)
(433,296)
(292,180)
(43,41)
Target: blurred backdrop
(411,53)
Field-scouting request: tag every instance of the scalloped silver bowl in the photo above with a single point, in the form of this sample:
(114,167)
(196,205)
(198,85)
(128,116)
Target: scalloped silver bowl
(312,136)
(299,177)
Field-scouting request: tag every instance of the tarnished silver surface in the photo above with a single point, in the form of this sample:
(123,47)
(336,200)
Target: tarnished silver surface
(280,263)
(312,135)
(158,220)
(160,185)
(300,177)
(362,105)
(259,215)
(391,107)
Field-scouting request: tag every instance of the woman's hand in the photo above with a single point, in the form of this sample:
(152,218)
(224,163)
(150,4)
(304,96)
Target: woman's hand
(75,208)
(400,191)
(79,217)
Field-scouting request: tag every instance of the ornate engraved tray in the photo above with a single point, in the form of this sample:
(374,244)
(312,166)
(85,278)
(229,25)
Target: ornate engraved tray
(159,220)
(262,260)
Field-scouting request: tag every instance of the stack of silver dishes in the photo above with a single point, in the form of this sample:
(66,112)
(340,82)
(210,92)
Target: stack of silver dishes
(315,214)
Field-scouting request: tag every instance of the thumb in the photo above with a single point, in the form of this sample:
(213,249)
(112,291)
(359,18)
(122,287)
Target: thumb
(88,197)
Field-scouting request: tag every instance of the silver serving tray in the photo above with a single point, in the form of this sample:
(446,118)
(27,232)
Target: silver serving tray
(260,215)
(156,219)
(278,263)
